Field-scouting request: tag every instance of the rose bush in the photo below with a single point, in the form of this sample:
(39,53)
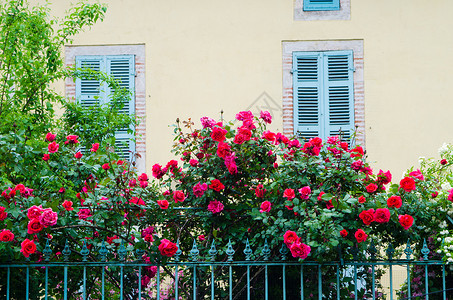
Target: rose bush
(230,181)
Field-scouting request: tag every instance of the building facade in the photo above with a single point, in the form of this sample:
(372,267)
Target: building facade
(377,68)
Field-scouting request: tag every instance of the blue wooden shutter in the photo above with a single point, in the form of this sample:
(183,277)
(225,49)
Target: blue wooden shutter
(90,91)
(311,5)
(122,68)
(339,92)
(307,94)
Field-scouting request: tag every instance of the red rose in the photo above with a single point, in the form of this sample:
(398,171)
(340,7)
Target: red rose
(216,185)
(265,206)
(300,250)
(78,155)
(367,216)
(260,191)
(407,184)
(417,174)
(3,213)
(106,166)
(384,178)
(223,149)
(45,157)
(143,184)
(53,147)
(289,194)
(34,226)
(201,238)
(371,188)
(357,152)
(50,137)
(94,147)
(435,194)
(360,236)
(239,139)
(305,192)
(163,204)
(443,162)
(28,247)
(167,248)
(71,139)
(382,215)
(218,134)
(178,196)
(290,237)
(67,205)
(344,233)
(362,199)
(34,212)
(6,235)
(450,195)
(268,135)
(394,201)
(406,221)
(143,177)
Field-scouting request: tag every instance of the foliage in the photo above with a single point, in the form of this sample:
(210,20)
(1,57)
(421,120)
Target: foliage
(30,60)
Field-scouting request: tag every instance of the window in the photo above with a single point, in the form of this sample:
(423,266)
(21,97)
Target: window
(315,10)
(323,94)
(127,64)
(90,91)
(310,5)
(323,89)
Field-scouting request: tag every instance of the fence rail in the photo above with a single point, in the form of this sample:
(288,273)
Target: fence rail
(198,277)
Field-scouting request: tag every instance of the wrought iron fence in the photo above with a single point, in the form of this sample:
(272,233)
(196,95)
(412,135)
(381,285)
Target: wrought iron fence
(218,274)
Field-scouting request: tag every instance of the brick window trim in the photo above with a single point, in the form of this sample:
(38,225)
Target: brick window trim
(140,92)
(343,14)
(288,47)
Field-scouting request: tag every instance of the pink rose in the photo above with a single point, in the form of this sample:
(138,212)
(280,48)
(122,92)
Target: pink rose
(207,122)
(305,192)
(34,226)
(300,250)
(34,212)
(290,237)
(6,235)
(53,147)
(218,134)
(45,157)
(269,136)
(215,206)
(71,139)
(417,174)
(179,196)
(3,213)
(143,184)
(199,189)
(50,137)
(244,115)
(266,117)
(84,213)
(167,248)
(106,166)
(94,147)
(163,204)
(450,195)
(143,177)
(265,206)
(289,194)
(48,217)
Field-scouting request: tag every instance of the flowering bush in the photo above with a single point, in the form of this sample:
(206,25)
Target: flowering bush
(232,181)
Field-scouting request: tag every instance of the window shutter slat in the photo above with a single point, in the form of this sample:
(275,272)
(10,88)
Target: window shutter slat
(307,93)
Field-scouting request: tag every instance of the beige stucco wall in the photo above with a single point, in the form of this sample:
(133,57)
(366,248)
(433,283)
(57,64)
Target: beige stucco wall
(203,56)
